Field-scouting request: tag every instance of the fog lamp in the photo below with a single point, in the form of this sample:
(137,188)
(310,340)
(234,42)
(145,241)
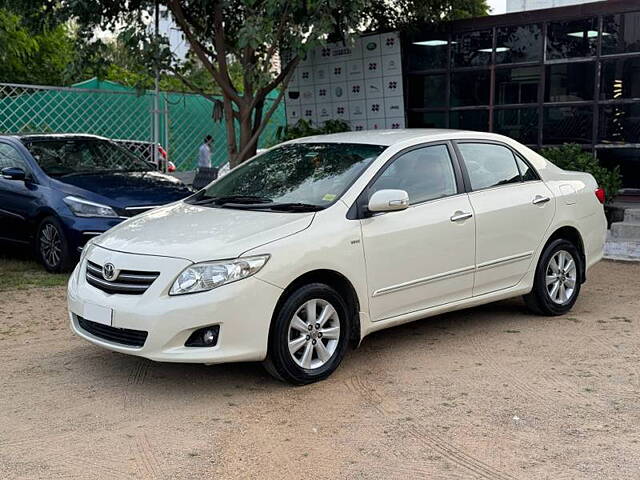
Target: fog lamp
(204,337)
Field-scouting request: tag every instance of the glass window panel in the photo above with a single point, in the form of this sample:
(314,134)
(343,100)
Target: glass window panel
(526,171)
(521,43)
(470,120)
(428,52)
(425,174)
(521,124)
(427,91)
(567,125)
(472,49)
(489,165)
(10,157)
(427,119)
(621,33)
(619,124)
(620,79)
(470,88)
(517,85)
(569,82)
(577,38)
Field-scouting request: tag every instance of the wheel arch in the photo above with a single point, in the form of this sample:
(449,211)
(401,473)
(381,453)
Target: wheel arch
(340,283)
(571,234)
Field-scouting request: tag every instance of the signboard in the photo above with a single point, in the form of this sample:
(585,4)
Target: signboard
(360,84)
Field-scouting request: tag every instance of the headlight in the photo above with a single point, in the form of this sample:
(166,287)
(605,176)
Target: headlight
(85,208)
(208,275)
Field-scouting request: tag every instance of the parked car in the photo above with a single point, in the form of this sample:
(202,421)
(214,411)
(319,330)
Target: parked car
(316,243)
(144,150)
(58,191)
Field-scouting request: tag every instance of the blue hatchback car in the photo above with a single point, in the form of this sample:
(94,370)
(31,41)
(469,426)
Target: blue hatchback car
(58,191)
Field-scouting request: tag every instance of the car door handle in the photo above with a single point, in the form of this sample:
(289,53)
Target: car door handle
(540,199)
(461,216)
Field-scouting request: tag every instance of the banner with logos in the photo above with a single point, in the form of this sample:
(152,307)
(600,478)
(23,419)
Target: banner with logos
(360,84)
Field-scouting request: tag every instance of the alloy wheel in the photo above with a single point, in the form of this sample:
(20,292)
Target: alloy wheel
(561,277)
(314,333)
(50,245)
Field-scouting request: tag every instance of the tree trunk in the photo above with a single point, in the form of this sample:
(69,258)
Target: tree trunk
(246,132)
(232,147)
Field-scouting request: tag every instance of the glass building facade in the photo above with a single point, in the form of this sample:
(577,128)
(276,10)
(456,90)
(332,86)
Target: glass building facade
(544,78)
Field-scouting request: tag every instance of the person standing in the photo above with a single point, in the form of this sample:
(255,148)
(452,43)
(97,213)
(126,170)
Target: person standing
(204,153)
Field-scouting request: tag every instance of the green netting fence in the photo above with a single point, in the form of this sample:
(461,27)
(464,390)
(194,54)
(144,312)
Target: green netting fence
(114,111)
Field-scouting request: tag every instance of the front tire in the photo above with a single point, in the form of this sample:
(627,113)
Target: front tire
(309,335)
(557,279)
(52,247)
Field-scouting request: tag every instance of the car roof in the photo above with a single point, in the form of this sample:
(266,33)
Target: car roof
(51,136)
(392,137)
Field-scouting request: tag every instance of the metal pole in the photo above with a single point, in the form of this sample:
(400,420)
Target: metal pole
(156,97)
(166,130)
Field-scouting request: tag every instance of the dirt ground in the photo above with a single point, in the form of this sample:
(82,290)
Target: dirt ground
(487,393)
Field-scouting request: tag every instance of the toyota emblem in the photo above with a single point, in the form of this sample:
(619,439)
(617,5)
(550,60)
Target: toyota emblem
(109,271)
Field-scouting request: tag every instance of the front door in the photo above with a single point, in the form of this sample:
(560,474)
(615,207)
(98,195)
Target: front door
(16,197)
(422,256)
(513,209)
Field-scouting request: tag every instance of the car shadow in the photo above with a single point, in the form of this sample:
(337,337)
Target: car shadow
(170,379)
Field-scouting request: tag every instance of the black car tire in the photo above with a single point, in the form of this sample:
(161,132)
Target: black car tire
(539,300)
(52,247)
(280,363)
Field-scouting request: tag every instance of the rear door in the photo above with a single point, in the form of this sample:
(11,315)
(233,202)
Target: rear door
(513,209)
(17,197)
(422,256)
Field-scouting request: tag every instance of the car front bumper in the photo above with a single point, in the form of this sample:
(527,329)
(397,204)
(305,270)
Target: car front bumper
(242,309)
(80,230)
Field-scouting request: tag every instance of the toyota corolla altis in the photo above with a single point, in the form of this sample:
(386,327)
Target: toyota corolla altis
(314,244)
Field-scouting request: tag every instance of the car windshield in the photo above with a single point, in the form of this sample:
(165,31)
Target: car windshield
(292,176)
(78,156)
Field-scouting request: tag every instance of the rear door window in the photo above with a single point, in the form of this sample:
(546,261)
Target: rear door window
(489,165)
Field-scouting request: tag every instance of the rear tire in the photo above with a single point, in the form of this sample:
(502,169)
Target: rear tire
(52,247)
(557,279)
(309,335)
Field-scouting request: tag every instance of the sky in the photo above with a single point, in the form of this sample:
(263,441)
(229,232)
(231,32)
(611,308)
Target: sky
(497,6)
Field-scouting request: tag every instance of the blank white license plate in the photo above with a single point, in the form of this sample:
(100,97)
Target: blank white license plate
(98,313)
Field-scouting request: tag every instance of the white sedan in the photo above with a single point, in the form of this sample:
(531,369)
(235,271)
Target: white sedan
(317,242)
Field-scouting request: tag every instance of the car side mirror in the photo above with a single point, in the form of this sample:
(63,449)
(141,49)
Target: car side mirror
(13,173)
(388,201)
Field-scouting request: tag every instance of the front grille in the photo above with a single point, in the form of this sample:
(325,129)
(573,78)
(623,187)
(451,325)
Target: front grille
(128,282)
(122,336)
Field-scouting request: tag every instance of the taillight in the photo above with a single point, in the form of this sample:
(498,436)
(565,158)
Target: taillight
(600,194)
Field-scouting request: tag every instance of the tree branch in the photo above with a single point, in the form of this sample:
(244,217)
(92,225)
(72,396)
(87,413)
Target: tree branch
(201,51)
(191,85)
(285,73)
(278,36)
(254,138)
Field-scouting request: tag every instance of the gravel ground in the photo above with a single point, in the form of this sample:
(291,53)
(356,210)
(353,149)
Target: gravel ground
(487,393)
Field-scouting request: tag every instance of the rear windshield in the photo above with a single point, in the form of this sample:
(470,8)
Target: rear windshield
(78,156)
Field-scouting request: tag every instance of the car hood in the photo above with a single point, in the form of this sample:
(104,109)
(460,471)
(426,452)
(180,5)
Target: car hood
(198,233)
(124,189)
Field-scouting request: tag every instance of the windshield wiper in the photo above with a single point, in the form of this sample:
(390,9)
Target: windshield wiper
(295,207)
(235,199)
(283,207)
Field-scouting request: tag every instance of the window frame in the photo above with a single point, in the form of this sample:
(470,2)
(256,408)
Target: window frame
(358,209)
(514,152)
